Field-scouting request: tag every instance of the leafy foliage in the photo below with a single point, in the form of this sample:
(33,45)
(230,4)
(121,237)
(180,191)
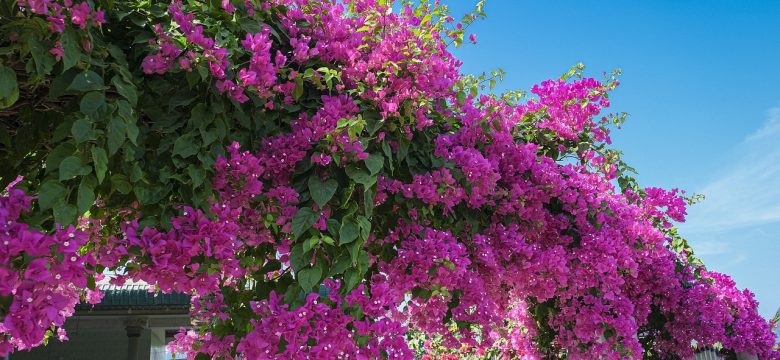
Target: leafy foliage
(300,165)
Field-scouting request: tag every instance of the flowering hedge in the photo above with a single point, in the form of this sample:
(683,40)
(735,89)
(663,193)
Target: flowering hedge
(325,183)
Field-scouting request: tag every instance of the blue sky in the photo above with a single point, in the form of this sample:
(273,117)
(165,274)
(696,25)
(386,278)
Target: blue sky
(700,82)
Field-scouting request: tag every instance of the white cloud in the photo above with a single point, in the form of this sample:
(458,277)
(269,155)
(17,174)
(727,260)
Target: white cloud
(748,191)
(709,248)
(772,126)
(735,229)
(737,260)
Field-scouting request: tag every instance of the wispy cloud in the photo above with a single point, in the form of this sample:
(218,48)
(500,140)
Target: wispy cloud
(709,248)
(736,229)
(747,193)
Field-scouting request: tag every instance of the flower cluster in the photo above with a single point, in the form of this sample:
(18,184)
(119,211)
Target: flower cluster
(163,60)
(376,175)
(42,276)
(200,253)
(321,320)
(281,153)
(166,55)
(435,188)
(372,48)
(569,107)
(434,267)
(261,73)
(57,12)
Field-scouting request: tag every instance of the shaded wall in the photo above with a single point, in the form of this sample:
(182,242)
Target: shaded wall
(89,344)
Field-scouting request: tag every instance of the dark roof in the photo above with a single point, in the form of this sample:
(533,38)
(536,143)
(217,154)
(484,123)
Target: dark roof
(136,296)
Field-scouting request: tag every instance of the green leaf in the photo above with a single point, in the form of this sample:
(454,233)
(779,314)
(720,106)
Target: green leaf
(310,243)
(10,100)
(328,240)
(86,195)
(309,277)
(348,232)
(64,214)
(118,54)
(368,200)
(126,113)
(50,194)
(200,116)
(119,183)
(126,89)
(197,174)
(9,88)
(7,81)
(100,158)
(91,282)
(250,25)
(321,191)
(132,132)
(59,153)
(403,149)
(185,146)
(365,226)
(62,131)
(355,249)
(374,163)
(181,98)
(193,78)
(59,86)
(152,193)
(136,173)
(82,131)
(388,152)
(351,278)
(297,258)
(363,260)
(87,80)
(303,220)
(91,102)
(71,49)
(116,134)
(298,91)
(342,263)
(72,167)
(125,110)
(44,61)
(333,226)
(374,121)
(461,96)
(360,176)
(203,71)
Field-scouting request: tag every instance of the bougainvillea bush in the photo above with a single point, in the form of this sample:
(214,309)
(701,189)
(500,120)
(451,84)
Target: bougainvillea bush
(325,183)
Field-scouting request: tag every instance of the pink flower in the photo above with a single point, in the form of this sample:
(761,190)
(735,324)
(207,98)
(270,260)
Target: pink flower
(321,159)
(57,51)
(228,7)
(185,63)
(56,22)
(86,45)
(79,14)
(62,335)
(98,18)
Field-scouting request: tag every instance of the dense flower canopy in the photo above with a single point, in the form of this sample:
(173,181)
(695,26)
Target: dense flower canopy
(325,183)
